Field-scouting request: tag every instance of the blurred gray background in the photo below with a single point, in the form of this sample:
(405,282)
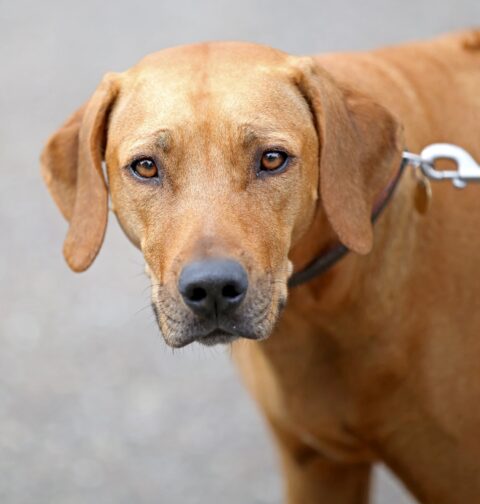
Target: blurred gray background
(93,407)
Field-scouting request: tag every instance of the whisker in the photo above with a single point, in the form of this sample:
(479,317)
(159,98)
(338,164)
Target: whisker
(142,309)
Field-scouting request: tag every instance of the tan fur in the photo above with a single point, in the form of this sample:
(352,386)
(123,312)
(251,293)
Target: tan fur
(377,359)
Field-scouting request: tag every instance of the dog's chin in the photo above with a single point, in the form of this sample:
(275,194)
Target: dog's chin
(217,337)
(180,334)
(214,337)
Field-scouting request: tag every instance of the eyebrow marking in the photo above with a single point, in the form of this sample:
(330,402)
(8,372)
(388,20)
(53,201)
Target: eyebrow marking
(249,136)
(148,142)
(265,134)
(164,140)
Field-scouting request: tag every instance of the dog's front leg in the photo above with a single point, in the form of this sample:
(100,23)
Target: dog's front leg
(311,478)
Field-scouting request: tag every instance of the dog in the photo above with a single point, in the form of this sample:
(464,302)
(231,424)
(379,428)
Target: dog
(233,167)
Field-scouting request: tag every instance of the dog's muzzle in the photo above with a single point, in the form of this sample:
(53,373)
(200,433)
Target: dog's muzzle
(214,290)
(215,301)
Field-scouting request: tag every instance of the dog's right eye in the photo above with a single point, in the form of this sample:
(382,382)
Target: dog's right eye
(144,168)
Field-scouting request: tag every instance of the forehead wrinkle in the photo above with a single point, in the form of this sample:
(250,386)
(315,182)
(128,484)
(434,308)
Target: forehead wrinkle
(161,138)
(255,134)
(201,98)
(164,140)
(248,135)
(201,69)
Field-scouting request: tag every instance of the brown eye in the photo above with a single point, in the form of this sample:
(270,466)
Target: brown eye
(145,168)
(273,160)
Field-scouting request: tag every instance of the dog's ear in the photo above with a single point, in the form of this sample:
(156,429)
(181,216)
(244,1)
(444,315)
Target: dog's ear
(72,169)
(360,145)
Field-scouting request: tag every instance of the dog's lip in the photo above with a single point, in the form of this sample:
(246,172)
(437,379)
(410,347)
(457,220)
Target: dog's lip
(217,335)
(221,335)
(218,331)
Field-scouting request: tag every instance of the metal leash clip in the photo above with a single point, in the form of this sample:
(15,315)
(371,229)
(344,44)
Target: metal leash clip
(468,170)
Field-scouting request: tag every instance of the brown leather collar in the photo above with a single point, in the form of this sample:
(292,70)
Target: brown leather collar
(331,256)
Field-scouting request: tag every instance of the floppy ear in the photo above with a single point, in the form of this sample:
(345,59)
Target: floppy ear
(360,150)
(72,169)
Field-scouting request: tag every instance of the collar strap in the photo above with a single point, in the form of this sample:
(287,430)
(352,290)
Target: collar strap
(331,256)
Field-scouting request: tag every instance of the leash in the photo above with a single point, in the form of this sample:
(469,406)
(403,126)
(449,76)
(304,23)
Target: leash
(468,170)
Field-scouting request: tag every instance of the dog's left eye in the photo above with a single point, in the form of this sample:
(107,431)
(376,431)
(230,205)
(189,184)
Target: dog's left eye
(144,168)
(273,161)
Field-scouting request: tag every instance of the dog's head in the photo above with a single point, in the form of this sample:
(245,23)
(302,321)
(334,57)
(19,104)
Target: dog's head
(219,158)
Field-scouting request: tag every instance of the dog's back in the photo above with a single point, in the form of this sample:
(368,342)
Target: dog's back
(433,87)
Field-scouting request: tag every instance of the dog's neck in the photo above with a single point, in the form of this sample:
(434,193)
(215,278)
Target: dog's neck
(351,277)
(333,253)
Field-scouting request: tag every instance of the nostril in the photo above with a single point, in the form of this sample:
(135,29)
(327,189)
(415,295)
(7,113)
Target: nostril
(213,288)
(197,294)
(230,291)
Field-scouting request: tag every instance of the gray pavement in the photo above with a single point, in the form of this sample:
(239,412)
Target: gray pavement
(93,407)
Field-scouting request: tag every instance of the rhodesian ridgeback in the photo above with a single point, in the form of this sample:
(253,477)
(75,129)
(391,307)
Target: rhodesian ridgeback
(233,166)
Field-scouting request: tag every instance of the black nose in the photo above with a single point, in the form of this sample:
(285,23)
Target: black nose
(213,287)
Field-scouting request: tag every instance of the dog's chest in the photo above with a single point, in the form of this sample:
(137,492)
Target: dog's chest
(305,392)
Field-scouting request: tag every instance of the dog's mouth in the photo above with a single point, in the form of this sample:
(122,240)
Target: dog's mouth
(253,319)
(210,336)
(217,336)
(180,328)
